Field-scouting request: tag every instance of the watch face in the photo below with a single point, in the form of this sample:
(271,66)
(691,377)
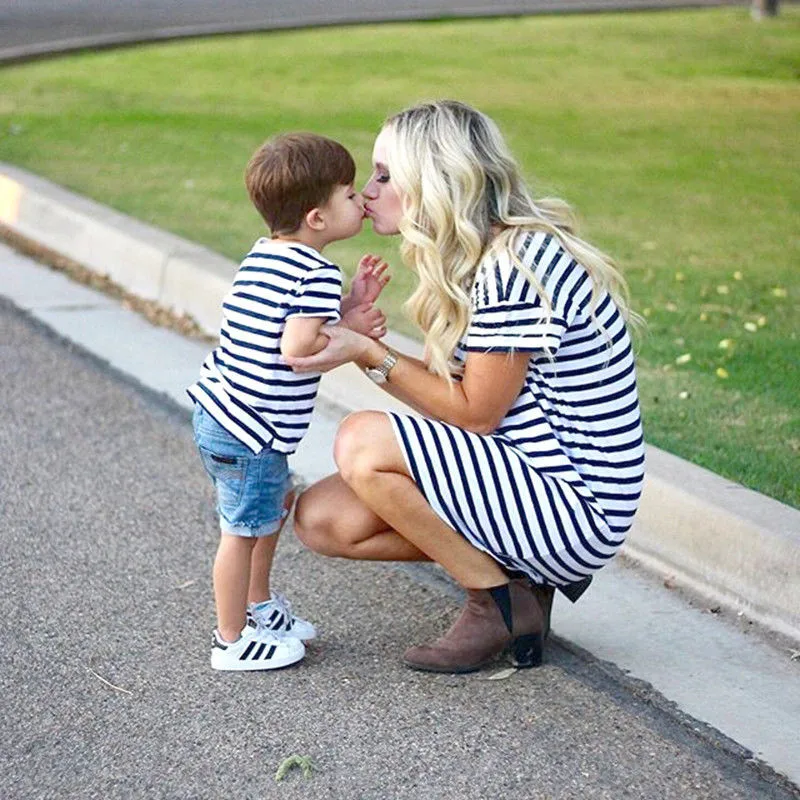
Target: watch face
(376,375)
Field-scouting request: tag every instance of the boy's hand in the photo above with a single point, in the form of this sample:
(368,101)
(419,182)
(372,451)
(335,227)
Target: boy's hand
(367,283)
(365,319)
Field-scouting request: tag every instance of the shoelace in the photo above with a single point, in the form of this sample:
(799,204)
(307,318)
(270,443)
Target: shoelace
(285,607)
(282,603)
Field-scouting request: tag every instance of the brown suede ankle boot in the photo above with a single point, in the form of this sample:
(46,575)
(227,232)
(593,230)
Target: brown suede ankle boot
(481,632)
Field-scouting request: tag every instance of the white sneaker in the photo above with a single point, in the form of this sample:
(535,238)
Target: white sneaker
(276,615)
(255,649)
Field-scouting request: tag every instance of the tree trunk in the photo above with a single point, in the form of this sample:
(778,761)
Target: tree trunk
(764,8)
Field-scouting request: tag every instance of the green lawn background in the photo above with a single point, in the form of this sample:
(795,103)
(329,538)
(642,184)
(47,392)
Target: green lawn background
(674,134)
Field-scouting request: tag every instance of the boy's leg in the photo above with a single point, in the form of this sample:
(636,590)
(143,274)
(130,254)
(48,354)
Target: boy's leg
(263,555)
(231,582)
(272,610)
(261,567)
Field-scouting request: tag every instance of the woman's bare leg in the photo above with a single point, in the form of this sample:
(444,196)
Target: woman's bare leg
(331,520)
(371,464)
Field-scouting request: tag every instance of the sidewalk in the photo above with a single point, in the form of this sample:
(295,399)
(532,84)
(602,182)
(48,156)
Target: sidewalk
(715,671)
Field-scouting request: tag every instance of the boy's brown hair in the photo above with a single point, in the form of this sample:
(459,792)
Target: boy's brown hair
(293,173)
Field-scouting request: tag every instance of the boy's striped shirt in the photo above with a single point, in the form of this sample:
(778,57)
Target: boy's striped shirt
(244,383)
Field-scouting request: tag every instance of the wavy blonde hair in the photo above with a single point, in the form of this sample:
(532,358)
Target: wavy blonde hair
(459,186)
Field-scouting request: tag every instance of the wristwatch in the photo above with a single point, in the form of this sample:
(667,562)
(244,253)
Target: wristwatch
(380,374)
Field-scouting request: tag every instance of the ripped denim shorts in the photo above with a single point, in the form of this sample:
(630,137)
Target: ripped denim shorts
(251,488)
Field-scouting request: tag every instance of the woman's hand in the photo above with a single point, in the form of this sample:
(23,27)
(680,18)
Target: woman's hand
(367,283)
(343,346)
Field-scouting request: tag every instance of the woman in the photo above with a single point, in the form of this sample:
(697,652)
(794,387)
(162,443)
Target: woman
(526,469)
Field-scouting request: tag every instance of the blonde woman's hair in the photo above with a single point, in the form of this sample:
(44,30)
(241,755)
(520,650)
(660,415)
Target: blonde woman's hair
(460,185)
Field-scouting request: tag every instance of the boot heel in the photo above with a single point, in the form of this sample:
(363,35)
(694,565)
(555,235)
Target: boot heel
(526,651)
(572,591)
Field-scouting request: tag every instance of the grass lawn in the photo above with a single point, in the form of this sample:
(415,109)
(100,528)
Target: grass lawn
(674,134)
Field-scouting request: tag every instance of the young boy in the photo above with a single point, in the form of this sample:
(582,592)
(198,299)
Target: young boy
(251,410)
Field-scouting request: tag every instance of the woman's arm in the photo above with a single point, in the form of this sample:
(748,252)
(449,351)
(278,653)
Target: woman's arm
(490,384)
(479,402)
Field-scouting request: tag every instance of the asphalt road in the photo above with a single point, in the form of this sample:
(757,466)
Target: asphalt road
(34,27)
(107,535)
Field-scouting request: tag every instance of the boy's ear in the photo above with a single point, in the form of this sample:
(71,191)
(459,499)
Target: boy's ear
(314,220)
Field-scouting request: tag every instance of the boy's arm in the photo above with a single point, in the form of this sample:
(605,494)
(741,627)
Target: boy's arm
(367,283)
(314,301)
(365,319)
(301,336)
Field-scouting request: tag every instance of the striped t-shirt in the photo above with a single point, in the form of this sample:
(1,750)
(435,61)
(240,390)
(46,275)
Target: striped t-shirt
(244,383)
(577,417)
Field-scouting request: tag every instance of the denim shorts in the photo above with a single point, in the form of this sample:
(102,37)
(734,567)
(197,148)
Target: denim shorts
(251,488)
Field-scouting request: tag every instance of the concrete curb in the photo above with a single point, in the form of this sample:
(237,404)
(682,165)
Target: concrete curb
(733,546)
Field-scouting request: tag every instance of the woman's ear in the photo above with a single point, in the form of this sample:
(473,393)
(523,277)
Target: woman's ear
(314,220)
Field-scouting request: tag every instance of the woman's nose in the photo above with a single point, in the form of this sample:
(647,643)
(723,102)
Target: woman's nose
(368,192)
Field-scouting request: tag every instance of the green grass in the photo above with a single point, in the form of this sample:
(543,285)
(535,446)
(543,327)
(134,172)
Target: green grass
(675,135)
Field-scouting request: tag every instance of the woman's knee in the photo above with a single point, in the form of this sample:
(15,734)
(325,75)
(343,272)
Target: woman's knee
(359,443)
(313,526)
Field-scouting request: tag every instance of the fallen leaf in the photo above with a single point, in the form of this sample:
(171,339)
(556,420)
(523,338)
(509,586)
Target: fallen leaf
(750,327)
(684,359)
(503,674)
(721,372)
(737,276)
(723,289)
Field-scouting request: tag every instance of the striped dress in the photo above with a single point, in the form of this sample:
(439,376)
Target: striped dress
(244,383)
(552,492)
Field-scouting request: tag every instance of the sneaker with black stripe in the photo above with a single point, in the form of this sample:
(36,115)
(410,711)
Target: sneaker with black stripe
(255,649)
(276,615)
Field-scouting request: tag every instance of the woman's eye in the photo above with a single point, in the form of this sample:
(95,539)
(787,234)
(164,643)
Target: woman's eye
(382,178)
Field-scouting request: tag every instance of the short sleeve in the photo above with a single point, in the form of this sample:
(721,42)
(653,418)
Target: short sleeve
(317,294)
(510,313)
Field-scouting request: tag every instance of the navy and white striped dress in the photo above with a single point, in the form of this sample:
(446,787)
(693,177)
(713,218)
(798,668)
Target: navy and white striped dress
(244,383)
(552,492)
